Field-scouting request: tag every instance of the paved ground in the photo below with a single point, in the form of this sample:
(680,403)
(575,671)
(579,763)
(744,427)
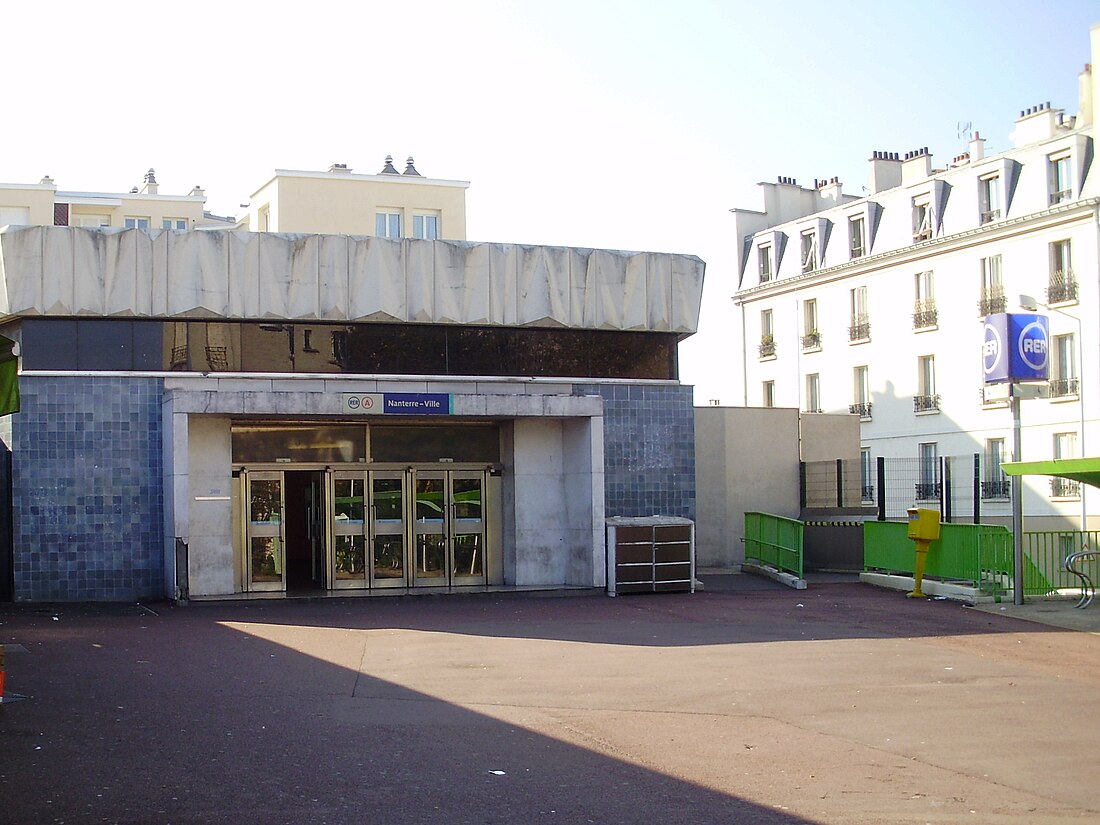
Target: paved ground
(744,703)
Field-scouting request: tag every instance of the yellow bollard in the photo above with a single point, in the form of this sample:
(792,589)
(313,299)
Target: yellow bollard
(924,528)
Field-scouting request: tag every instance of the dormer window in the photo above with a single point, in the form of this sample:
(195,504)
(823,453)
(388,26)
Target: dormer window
(808,255)
(922,220)
(1061,178)
(989,198)
(857,236)
(764,261)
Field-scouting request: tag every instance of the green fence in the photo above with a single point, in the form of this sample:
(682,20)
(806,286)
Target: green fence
(979,555)
(1049,550)
(775,541)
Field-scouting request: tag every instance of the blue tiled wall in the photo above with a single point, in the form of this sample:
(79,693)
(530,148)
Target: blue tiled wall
(649,449)
(87,489)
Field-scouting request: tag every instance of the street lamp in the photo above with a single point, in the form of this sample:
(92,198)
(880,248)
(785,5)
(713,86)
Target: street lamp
(1031,304)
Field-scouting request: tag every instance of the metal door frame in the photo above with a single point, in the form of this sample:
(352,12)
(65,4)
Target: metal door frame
(254,530)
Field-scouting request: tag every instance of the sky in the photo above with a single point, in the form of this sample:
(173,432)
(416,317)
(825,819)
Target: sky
(621,125)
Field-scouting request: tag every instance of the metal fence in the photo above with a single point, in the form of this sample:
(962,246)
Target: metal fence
(1048,551)
(775,541)
(960,487)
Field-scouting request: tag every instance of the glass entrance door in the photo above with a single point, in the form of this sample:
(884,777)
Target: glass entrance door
(387,528)
(264,542)
(449,528)
(430,529)
(467,558)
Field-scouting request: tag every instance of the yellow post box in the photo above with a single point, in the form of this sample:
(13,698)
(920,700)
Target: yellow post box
(924,528)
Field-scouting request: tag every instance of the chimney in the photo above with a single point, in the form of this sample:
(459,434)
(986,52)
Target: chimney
(388,168)
(410,169)
(1036,124)
(977,147)
(917,165)
(340,167)
(1085,92)
(149,187)
(829,190)
(46,181)
(198,192)
(885,171)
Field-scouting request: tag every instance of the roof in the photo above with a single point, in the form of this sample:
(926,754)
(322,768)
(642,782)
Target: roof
(1086,470)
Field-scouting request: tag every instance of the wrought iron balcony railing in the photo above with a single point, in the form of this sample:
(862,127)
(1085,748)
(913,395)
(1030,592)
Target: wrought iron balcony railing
(926,403)
(867,492)
(924,314)
(1065,488)
(767,347)
(997,489)
(1063,387)
(811,340)
(990,215)
(860,330)
(1062,288)
(862,408)
(1060,195)
(927,490)
(992,302)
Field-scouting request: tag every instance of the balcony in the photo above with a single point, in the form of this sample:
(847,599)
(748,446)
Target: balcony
(927,490)
(867,493)
(861,408)
(990,215)
(1060,196)
(860,330)
(1065,488)
(1064,387)
(1063,287)
(925,315)
(992,302)
(811,340)
(767,347)
(856,251)
(926,403)
(997,489)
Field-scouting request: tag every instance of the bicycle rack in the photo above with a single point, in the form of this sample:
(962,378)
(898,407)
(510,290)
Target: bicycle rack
(1088,589)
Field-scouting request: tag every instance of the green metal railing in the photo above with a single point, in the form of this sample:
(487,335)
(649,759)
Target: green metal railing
(1049,550)
(979,555)
(775,541)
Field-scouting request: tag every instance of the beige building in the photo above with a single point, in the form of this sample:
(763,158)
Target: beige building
(390,204)
(144,207)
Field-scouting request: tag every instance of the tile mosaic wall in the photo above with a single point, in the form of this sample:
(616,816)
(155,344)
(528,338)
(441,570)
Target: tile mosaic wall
(88,494)
(649,448)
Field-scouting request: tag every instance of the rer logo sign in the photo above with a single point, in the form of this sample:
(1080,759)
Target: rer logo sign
(1015,347)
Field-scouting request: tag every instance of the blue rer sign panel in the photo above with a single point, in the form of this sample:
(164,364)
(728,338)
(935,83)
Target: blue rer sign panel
(397,403)
(1016,347)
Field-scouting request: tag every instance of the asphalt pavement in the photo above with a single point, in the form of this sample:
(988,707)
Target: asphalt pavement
(743,703)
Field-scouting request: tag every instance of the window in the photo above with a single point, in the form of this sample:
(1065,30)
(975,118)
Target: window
(922,220)
(926,399)
(1062,287)
(768,393)
(15,215)
(995,484)
(93,221)
(928,477)
(764,262)
(174,223)
(387,224)
(809,251)
(857,237)
(992,298)
(811,338)
(989,198)
(1065,446)
(866,476)
(1061,180)
(860,327)
(1063,380)
(426,227)
(924,309)
(134,222)
(767,335)
(813,393)
(265,219)
(861,394)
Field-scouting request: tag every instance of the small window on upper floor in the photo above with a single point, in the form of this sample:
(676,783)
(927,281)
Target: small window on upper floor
(809,250)
(174,223)
(387,224)
(135,222)
(764,262)
(426,227)
(989,198)
(767,393)
(922,220)
(857,237)
(94,221)
(1060,174)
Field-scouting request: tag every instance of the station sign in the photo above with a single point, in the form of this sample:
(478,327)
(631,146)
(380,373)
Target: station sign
(397,403)
(1015,347)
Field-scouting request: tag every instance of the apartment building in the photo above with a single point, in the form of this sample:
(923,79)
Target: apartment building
(874,303)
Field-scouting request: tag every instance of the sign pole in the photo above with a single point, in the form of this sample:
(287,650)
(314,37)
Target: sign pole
(1017,503)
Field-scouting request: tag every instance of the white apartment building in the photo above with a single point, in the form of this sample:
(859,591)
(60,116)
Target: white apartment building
(874,304)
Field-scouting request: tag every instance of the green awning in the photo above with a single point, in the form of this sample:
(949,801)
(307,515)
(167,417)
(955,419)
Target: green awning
(1086,470)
